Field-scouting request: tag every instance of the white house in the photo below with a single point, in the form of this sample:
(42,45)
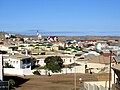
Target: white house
(19,61)
(8,48)
(71,66)
(67,59)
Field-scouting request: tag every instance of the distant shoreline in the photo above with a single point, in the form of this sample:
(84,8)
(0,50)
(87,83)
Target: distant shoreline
(64,38)
(57,33)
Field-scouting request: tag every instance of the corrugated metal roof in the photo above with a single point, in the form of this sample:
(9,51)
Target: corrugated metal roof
(117,67)
(117,58)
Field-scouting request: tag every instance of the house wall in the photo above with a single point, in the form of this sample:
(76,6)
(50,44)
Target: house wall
(95,67)
(14,62)
(68,60)
(41,62)
(55,48)
(21,64)
(18,63)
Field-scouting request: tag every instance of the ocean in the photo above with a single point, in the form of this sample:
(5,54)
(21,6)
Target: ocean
(67,33)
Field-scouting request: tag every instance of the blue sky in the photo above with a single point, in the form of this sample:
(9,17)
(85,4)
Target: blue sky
(60,17)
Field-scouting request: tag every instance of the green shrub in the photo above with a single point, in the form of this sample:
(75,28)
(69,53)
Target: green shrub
(11,83)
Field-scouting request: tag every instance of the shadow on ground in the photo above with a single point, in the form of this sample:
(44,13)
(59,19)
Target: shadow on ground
(18,80)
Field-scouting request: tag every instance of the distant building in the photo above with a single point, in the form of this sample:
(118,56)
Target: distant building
(8,48)
(52,38)
(39,36)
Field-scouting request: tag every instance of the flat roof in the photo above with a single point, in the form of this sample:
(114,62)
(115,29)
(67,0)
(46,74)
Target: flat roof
(44,56)
(18,57)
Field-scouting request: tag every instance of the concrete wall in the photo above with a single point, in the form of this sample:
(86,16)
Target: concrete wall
(100,85)
(15,71)
(95,65)
(77,69)
(97,85)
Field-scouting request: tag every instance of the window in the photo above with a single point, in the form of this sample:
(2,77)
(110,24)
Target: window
(13,62)
(64,60)
(23,61)
(16,62)
(85,66)
(28,61)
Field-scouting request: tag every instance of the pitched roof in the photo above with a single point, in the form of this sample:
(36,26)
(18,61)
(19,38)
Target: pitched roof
(99,59)
(117,59)
(116,69)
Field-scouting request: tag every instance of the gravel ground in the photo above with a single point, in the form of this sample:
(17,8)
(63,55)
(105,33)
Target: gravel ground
(55,82)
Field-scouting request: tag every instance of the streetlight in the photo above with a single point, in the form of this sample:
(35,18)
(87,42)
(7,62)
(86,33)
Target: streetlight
(81,83)
(80,79)
(110,70)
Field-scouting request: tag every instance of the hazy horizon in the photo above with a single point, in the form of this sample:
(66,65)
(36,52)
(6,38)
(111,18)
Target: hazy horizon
(61,33)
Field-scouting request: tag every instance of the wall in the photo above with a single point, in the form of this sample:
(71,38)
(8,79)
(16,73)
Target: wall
(15,71)
(99,85)
(96,85)
(68,60)
(65,71)
(41,62)
(14,62)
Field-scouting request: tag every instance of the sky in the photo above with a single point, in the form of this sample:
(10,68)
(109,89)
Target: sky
(61,17)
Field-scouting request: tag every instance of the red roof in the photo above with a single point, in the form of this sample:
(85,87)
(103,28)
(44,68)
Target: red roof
(92,40)
(52,37)
(107,54)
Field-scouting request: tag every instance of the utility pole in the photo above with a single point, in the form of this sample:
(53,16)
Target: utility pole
(1,67)
(74,74)
(110,70)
